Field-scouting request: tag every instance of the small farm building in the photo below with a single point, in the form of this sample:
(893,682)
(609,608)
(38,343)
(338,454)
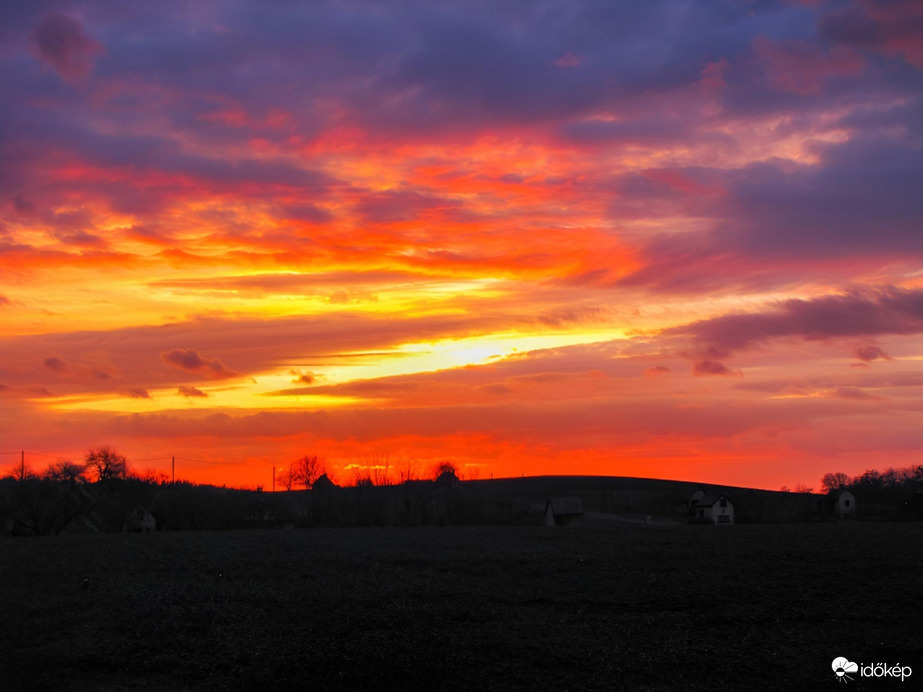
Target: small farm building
(561,511)
(324,483)
(843,503)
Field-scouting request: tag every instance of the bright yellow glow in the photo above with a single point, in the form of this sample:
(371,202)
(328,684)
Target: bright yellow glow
(421,357)
(251,397)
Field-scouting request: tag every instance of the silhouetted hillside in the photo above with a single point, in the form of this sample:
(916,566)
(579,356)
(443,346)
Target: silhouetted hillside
(43,506)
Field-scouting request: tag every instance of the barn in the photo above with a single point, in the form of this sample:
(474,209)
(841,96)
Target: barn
(563,511)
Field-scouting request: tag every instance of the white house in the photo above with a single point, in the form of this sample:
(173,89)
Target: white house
(712,509)
(844,503)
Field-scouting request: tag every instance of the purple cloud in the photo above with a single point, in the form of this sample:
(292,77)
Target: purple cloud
(23,205)
(713,367)
(191,392)
(869,312)
(61,42)
(869,353)
(188,359)
(55,364)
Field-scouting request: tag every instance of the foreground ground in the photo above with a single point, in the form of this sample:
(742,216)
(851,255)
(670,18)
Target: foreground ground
(690,607)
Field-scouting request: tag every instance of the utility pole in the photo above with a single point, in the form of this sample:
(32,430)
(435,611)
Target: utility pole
(22,465)
(274,479)
(173,468)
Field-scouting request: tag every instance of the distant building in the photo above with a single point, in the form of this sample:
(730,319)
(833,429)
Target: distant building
(841,503)
(139,520)
(562,511)
(707,508)
(324,483)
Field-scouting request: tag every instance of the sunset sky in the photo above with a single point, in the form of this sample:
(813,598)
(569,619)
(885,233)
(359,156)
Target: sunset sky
(674,239)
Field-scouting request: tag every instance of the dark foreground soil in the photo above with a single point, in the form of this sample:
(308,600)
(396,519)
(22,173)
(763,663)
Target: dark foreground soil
(685,607)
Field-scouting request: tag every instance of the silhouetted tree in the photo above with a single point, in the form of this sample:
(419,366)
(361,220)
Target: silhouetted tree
(306,471)
(916,477)
(446,473)
(151,476)
(41,507)
(286,478)
(106,463)
(376,469)
(21,471)
(446,467)
(65,471)
(407,470)
(834,481)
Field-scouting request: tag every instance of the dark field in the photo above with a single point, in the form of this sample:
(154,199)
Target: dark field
(754,607)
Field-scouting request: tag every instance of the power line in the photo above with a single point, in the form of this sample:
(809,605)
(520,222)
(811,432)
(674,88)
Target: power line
(162,459)
(204,461)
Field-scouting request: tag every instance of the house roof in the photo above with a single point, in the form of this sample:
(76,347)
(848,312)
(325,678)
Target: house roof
(710,500)
(323,483)
(563,506)
(839,492)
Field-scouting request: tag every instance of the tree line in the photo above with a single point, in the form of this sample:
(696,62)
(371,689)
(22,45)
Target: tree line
(104,493)
(872,481)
